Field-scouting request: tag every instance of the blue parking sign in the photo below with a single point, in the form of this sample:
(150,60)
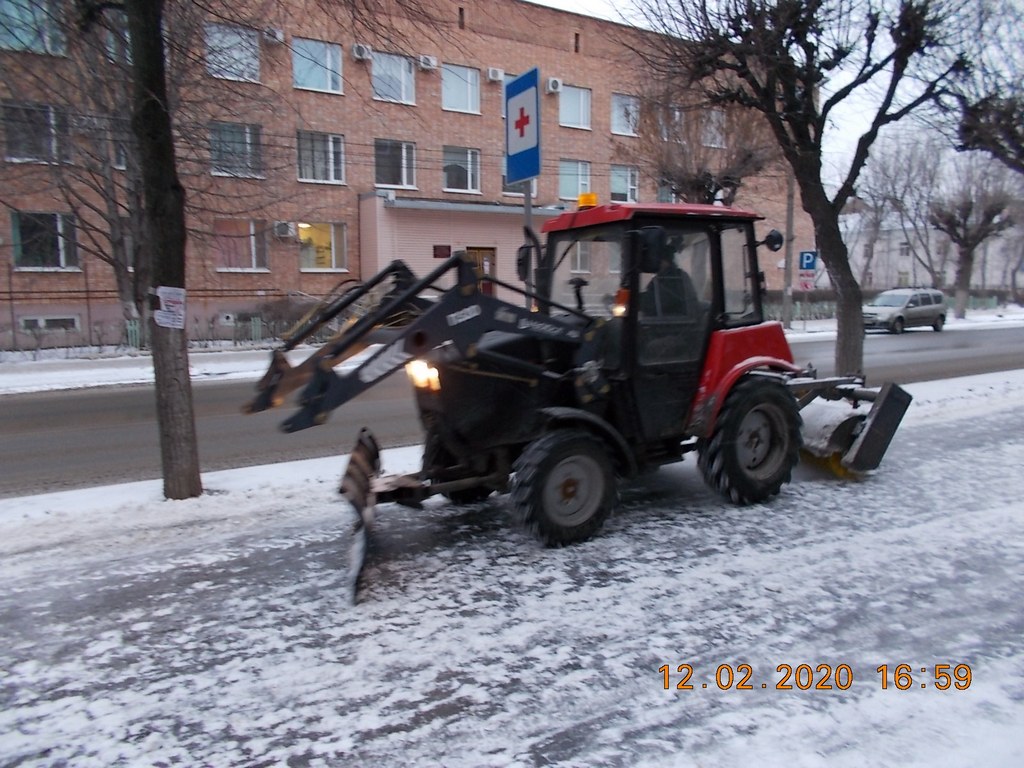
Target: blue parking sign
(808,259)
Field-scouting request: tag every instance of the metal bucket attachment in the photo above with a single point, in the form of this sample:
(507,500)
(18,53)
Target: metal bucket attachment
(872,442)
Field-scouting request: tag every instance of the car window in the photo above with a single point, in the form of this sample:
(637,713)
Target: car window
(925,298)
(915,301)
(889,300)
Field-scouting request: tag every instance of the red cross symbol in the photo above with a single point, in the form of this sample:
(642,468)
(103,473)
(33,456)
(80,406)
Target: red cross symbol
(521,122)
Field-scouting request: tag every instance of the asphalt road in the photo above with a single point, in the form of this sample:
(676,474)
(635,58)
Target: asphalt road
(72,439)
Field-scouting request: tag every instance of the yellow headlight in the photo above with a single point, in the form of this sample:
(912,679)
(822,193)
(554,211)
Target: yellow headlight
(423,375)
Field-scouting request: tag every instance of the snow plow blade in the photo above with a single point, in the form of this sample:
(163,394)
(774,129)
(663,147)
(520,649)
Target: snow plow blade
(848,439)
(872,442)
(357,488)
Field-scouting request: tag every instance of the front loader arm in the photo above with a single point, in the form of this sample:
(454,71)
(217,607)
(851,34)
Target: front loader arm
(452,326)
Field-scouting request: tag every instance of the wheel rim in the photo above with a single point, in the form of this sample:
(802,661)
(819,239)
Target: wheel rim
(759,443)
(573,490)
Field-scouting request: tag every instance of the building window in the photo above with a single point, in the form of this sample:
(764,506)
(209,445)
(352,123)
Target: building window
(666,194)
(118,40)
(625,180)
(316,66)
(461,169)
(35,133)
(232,53)
(581,257)
(393,78)
(573,178)
(239,245)
(235,149)
(322,246)
(63,323)
(625,114)
(904,250)
(44,241)
(713,129)
(321,157)
(460,88)
(574,107)
(33,26)
(395,163)
(519,187)
(670,124)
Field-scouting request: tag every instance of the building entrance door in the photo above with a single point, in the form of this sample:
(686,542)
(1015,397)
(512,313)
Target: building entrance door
(484,261)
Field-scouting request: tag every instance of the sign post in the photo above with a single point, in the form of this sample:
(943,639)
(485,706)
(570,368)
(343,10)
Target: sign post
(808,270)
(522,139)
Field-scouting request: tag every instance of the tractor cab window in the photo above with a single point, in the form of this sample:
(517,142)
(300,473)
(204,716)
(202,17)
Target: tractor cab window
(737,276)
(593,256)
(681,286)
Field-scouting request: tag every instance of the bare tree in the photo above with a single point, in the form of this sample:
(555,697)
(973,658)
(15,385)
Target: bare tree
(972,209)
(698,154)
(796,62)
(906,170)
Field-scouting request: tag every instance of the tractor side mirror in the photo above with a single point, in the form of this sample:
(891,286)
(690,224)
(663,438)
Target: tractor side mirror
(653,243)
(523,262)
(774,240)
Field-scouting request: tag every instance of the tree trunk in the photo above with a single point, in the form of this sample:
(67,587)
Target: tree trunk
(164,254)
(964,268)
(828,235)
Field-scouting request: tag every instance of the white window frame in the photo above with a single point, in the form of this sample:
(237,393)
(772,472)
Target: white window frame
(580,99)
(467,158)
(339,248)
(253,154)
(713,129)
(671,123)
(625,114)
(33,323)
(53,122)
(233,53)
(328,151)
(580,263)
(401,69)
(257,249)
(319,59)
(67,245)
(459,83)
(666,195)
(32,26)
(516,190)
(578,169)
(408,164)
(629,174)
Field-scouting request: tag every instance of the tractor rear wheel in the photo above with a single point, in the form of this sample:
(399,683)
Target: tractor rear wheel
(564,486)
(755,443)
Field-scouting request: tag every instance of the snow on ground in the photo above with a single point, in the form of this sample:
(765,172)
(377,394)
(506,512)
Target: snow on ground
(216,631)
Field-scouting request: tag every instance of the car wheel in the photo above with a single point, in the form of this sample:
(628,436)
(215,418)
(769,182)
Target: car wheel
(564,486)
(898,325)
(939,323)
(755,442)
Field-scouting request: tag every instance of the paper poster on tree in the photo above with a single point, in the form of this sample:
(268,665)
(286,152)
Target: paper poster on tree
(172,307)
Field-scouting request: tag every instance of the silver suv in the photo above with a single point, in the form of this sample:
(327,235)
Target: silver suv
(904,308)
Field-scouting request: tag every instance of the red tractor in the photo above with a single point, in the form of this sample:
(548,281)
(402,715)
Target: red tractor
(638,336)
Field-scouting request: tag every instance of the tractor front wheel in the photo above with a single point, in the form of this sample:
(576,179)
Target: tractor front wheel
(564,486)
(755,443)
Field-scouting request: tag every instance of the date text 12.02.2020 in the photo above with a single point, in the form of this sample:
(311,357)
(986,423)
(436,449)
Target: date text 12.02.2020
(820,677)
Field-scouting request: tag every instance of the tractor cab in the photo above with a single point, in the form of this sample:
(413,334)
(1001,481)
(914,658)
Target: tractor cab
(663,278)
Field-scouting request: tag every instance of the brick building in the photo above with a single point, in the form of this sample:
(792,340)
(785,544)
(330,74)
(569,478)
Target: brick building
(313,153)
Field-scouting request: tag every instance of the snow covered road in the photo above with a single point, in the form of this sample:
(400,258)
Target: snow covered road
(216,631)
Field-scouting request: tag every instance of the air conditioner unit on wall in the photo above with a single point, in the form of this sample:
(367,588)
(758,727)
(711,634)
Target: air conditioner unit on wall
(554,85)
(427,63)
(362,52)
(273,35)
(495,74)
(285,230)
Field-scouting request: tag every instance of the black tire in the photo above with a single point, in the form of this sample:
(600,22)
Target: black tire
(564,486)
(898,325)
(939,323)
(755,443)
